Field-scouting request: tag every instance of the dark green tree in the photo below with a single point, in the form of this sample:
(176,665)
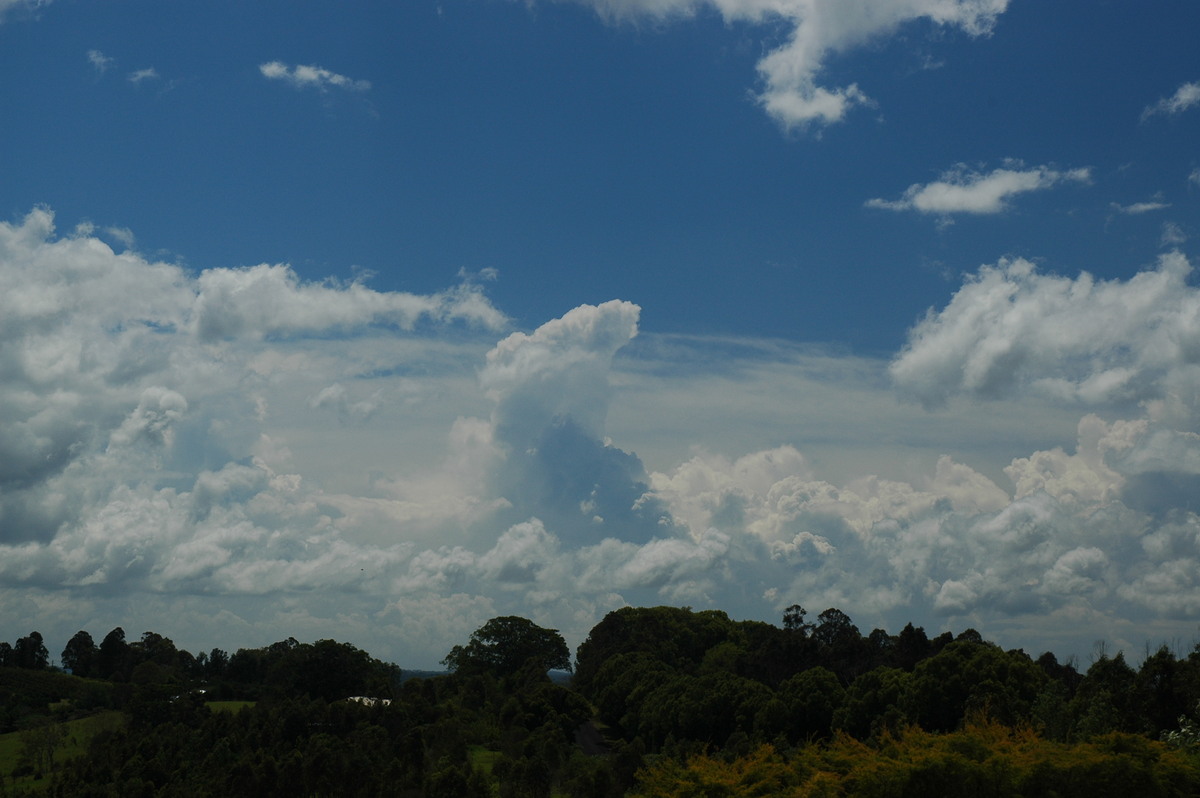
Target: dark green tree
(506,645)
(812,697)
(79,656)
(793,620)
(113,661)
(30,652)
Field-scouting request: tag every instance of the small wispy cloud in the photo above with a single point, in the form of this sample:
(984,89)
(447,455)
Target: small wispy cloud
(1139,208)
(100,61)
(142,75)
(122,234)
(1172,235)
(1184,98)
(311,76)
(961,190)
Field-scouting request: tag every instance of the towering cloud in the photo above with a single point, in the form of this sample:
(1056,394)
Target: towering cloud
(551,392)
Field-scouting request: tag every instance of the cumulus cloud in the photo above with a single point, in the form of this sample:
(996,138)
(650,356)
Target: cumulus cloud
(552,394)
(1012,328)
(270,300)
(138,399)
(962,190)
(792,74)
(159,469)
(311,76)
(100,351)
(1184,98)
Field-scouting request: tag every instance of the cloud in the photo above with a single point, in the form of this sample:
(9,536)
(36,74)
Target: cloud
(961,190)
(792,88)
(270,300)
(1172,235)
(1138,208)
(1184,98)
(552,395)
(21,6)
(311,76)
(1011,328)
(143,75)
(100,351)
(99,61)
(164,472)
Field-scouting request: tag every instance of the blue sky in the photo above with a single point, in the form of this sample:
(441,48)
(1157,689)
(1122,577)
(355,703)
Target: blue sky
(374,320)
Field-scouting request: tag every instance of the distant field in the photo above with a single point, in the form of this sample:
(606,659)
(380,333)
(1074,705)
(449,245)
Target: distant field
(228,706)
(76,735)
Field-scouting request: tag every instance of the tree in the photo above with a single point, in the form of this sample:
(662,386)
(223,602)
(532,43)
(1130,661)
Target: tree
(508,644)
(218,661)
(112,661)
(834,628)
(30,652)
(793,620)
(79,657)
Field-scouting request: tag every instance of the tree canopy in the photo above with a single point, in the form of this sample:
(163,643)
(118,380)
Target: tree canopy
(508,644)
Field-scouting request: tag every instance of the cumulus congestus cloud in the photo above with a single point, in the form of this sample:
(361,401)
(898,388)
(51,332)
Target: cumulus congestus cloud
(551,392)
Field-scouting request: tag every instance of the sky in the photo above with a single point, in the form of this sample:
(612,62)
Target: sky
(372,321)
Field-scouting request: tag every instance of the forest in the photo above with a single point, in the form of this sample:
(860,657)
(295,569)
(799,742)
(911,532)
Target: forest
(657,701)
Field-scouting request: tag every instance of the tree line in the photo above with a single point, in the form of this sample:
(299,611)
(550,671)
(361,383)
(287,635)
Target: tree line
(700,677)
(663,701)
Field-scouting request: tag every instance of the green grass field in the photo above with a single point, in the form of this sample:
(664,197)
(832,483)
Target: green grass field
(228,706)
(75,736)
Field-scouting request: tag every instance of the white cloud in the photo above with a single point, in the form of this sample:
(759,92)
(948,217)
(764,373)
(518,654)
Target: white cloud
(793,92)
(961,190)
(154,475)
(270,300)
(310,76)
(99,61)
(122,235)
(1184,98)
(1138,208)
(1011,328)
(101,350)
(142,75)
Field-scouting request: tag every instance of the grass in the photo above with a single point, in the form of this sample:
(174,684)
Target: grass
(76,736)
(482,759)
(228,706)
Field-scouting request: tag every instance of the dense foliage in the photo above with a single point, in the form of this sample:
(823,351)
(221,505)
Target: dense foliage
(664,701)
(505,645)
(701,678)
